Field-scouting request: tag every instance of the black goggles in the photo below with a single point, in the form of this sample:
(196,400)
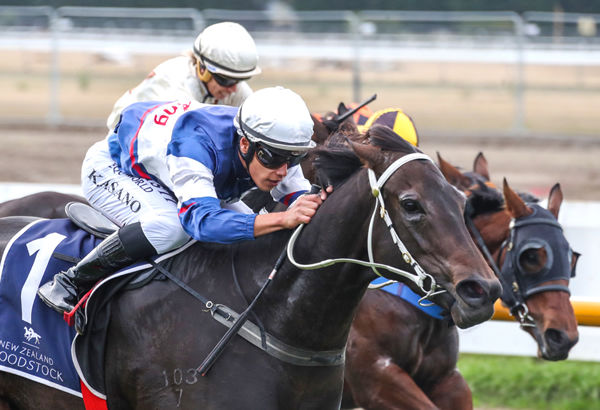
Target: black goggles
(273,158)
(226,81)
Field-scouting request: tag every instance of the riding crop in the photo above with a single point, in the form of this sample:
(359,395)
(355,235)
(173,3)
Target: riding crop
(233,330)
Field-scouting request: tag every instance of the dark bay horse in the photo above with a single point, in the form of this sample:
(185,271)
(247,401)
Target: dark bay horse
(398,357)
(46,204)
(159,334)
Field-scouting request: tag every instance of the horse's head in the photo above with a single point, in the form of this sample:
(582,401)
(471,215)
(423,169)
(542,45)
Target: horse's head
(426,213)
(535,272)
(537,263)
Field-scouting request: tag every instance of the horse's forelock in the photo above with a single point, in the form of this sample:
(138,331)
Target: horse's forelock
(385,138)
(485,202)
(484,199)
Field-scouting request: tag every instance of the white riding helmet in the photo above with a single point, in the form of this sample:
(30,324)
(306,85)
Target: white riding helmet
(277,117)
(227,49)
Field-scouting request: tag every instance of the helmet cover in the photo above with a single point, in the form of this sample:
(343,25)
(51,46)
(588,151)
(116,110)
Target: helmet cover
(277,117)
(227,49)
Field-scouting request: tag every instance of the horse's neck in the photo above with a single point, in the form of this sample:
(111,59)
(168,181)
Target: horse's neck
(309,309)
(339,228)
(317,306)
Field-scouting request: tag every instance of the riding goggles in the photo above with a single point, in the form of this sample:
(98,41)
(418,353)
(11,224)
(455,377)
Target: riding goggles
(226,81)
(273,158)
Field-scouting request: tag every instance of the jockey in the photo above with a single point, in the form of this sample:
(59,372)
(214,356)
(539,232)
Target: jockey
(395,119)
(223,57)
(171,171)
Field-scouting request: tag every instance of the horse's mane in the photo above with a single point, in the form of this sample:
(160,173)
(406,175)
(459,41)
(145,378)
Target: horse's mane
(484,199)
(337,161)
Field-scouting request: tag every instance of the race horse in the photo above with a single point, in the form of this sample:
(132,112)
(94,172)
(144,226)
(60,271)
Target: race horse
(46,204)
(391,209)
(400,357)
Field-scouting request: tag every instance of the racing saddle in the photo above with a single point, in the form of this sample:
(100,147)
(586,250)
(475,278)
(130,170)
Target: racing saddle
(89,219)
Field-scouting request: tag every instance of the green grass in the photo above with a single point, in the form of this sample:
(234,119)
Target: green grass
(529,383)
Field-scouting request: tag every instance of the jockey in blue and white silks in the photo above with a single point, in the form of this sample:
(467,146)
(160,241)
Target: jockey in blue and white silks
(191,149)
(174,170)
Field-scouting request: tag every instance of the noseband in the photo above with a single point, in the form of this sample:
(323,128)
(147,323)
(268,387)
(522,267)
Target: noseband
(419,277)
(537,230)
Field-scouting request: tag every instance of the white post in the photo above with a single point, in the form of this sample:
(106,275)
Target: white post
(54,116)
(356,82)
(519,119)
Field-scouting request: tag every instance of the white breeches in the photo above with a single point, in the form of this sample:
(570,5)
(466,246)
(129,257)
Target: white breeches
(125,199)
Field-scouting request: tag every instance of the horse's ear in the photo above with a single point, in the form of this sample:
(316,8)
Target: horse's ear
(555,199)
(452,174)
(480,166)
(320,131)
(368,154)
(342,109)
(514,204)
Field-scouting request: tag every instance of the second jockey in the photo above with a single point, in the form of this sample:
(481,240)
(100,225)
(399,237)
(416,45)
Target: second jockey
(224,56)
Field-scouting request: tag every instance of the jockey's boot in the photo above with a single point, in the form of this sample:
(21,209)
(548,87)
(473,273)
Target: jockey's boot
(118,250)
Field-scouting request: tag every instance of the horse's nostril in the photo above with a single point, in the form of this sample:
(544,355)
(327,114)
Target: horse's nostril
(472,292)
(556,337)
(557,344)
(476,290)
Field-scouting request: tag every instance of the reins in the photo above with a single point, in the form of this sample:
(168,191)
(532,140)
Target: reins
(238,324)
(333,357)
(419,277)
(278,349)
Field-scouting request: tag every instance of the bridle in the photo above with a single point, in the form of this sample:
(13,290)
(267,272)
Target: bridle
(298,356)
(527,232)
(419,277)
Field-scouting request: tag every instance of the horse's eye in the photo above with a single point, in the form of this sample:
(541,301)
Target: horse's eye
(533,260)
(410,205)
(529,256)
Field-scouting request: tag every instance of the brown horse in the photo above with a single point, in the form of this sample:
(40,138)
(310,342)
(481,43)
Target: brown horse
(398,357)
(547,314)
(158,334)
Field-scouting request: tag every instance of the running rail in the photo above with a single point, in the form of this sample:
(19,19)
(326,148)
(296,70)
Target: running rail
(587,312)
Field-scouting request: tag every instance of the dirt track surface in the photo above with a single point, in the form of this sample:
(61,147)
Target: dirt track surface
(54,156)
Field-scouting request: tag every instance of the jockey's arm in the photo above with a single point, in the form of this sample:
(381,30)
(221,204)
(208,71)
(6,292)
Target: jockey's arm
(301,212)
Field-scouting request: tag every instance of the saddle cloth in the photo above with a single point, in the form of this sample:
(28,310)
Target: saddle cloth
(35,341)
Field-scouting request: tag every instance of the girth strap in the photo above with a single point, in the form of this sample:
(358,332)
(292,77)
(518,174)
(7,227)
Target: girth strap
(277,348)
(252,333)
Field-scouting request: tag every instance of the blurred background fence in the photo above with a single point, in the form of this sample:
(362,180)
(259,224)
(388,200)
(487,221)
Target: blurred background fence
(483,73)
